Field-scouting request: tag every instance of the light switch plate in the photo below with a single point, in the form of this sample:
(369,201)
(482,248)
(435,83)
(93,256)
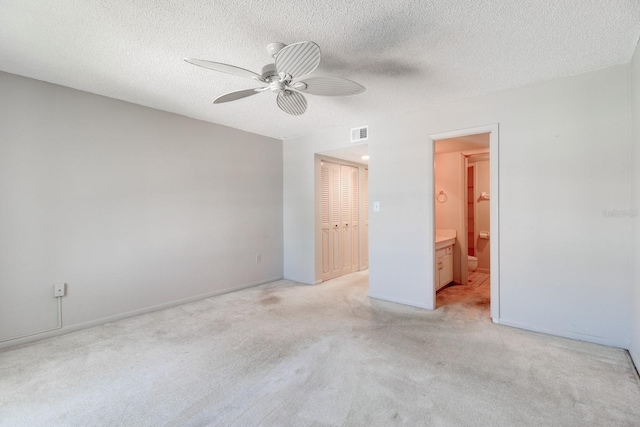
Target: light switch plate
(376,206)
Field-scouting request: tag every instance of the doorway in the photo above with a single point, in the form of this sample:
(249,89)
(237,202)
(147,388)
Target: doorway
(466,245)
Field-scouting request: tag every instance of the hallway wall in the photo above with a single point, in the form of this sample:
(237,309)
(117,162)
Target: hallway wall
(634,349)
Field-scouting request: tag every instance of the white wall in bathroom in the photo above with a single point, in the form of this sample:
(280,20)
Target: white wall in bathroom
(132,207)
(564,149)
(634,349)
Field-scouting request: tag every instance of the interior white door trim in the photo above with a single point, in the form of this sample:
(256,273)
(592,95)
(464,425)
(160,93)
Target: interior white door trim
(493,130)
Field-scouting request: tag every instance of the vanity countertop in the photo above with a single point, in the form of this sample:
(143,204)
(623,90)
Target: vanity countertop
(445,238)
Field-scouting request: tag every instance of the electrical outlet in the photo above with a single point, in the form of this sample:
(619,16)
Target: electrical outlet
(258,258)
(59,290)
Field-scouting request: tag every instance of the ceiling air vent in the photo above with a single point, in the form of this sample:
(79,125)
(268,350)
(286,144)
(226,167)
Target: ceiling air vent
(360,134)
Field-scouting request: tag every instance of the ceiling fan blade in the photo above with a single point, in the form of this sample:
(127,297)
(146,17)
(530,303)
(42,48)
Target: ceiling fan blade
(329,86)
(239,94)
(298,59)
(223,68)
(292,102)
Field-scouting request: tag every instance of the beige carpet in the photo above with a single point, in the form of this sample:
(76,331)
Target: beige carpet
(289,355)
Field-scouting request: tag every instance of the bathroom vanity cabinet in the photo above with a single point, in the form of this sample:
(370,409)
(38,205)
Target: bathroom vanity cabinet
(445,240)
(444,266)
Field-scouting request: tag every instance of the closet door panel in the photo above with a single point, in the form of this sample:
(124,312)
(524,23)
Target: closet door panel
(355,219)
(325,222)
(364,250)
(345,218)
(326,256)
(335,221)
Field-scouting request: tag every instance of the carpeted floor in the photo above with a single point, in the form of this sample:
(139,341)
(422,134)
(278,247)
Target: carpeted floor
(290,355)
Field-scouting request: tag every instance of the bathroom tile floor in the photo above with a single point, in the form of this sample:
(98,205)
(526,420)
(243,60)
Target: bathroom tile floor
(477,279)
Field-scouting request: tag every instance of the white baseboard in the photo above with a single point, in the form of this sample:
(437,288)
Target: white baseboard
(120,316)
(635,359)
(567,334)
(400,301)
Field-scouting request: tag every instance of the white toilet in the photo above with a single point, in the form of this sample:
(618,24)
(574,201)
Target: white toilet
(472,263)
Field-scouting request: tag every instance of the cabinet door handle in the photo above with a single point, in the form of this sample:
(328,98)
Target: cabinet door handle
(440,266)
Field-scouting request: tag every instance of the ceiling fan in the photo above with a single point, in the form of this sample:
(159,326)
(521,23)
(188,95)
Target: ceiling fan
(284,77)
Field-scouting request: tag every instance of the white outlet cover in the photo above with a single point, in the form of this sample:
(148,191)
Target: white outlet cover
(59,289)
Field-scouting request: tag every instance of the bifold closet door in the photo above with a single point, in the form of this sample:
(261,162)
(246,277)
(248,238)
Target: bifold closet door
(355,218)
(330,220)
(335,241)
(339,219)
(346,218)
(325,219)
(365,218)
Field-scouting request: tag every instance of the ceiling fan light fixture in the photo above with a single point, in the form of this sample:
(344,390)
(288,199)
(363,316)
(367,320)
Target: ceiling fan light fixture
(277,86)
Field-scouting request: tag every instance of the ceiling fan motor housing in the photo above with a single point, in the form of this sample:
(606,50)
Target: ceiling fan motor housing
(274,48)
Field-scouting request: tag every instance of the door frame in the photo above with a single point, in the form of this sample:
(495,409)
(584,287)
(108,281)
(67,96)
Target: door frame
(494,221)
(464,272)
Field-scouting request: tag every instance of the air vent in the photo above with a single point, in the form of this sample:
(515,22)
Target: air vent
(360,134)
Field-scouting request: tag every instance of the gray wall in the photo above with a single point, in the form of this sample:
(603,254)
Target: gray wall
(634,349)
(133,208)
(564,159)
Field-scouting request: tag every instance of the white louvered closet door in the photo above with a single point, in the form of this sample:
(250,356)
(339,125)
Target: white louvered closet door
(335,255)
(355,219)
(345,218)
(325,220)
(364,251)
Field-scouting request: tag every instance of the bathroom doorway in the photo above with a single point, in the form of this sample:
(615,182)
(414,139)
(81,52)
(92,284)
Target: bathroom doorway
(465,219)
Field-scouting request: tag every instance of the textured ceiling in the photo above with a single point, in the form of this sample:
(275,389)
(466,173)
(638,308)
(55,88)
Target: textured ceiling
(409,54)
(462,143)
(352,153)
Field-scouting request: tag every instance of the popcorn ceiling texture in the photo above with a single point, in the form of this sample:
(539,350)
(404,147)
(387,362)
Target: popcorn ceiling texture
(409,54)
